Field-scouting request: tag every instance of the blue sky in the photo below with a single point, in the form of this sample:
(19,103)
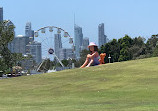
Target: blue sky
(132,17)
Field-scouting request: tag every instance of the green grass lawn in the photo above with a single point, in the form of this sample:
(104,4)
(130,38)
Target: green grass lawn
(125,86)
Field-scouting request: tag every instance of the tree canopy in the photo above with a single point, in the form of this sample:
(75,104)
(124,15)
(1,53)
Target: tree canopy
(6,35)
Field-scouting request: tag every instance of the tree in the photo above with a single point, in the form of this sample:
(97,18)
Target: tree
(112,48)
(6,35)
(125,43)
(127,48)
(151,44)
(155,52)
(138,47)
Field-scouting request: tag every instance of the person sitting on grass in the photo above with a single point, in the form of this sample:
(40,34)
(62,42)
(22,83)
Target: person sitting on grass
(93,57)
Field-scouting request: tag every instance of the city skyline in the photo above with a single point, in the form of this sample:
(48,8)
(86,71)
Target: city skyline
(132,17)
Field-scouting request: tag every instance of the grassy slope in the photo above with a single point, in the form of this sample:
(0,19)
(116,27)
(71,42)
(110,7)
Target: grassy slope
(125,86)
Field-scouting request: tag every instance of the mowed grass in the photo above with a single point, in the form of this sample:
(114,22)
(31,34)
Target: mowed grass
(125,86)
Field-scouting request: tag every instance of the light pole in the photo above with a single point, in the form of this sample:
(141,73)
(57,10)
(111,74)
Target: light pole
(109,58)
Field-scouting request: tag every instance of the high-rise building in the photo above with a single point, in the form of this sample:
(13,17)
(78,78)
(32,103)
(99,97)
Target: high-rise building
(78,40)
(10,45)
(28,31)
(9,23)
(34,49)
(101,36)
(1,14)
(57,44)
(18,45)
(65,54)
(85,43)
(21,44)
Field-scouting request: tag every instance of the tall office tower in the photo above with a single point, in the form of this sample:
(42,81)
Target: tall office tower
(101,36)
(1,14)
(78,40)
(57,44)
(10,44)
(34,49)
(19,44)
(28,31)
(85,43)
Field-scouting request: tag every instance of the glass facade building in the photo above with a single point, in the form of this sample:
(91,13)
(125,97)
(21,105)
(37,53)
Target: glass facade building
(78,35)
(101,36)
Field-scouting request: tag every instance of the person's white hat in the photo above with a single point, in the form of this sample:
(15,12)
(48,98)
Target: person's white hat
(92,44)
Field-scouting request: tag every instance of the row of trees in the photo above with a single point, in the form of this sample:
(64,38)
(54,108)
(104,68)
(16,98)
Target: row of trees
(128,48)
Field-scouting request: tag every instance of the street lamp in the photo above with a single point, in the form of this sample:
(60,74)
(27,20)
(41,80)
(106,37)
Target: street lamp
(109,58)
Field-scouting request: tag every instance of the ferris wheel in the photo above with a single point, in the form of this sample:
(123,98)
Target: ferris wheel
(56,43)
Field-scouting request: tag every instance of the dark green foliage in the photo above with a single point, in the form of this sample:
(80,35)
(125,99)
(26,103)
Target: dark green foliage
(112,48)
(127,48)
(138,47)
(65,62)
(118,50)
(151,44)
(6,35)
(155,53)
(125,43)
